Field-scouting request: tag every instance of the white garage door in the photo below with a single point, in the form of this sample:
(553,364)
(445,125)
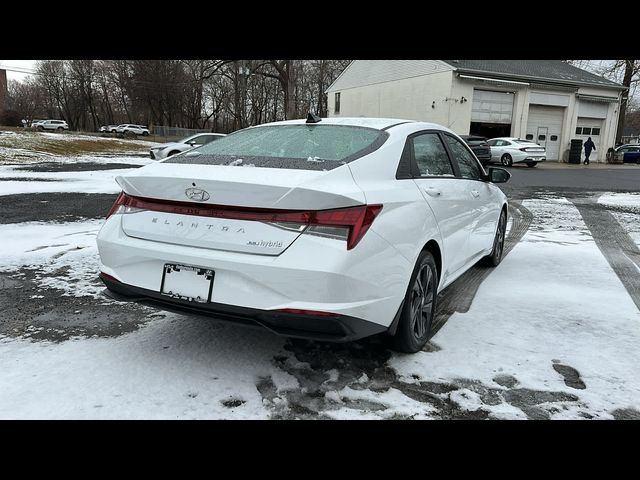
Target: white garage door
(590,127)
(492,107)
(544,128)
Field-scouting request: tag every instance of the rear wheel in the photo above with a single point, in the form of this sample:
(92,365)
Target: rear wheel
(419,306)
(506,160)
(144,134)
(40,128)
(495,257)
(60,129)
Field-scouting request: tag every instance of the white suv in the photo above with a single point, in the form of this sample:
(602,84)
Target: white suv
(58,125)
(130,127)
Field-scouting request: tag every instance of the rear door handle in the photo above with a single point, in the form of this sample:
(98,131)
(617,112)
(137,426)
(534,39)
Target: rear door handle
(434,192)
(475,193)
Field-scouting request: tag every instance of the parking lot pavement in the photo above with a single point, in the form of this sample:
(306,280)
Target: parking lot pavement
(550,333)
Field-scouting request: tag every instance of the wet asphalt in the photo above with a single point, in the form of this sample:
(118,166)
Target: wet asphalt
(362,364)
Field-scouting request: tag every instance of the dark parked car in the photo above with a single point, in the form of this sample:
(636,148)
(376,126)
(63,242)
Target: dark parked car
(480,147)
(630,153)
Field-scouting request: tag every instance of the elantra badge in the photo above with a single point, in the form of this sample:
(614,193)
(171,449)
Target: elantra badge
(197,194)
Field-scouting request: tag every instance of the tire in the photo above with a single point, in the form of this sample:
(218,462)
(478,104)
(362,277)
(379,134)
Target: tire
(506,160)
(145,134)
(495,257)
(531,164)
(419,305)
(60,129)
(40,128)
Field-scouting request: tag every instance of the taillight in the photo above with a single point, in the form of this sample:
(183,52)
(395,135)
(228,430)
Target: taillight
(118,203)
(524,149)
(349,224)
(352,222)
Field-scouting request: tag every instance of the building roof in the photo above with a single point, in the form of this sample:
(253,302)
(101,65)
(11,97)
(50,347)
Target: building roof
(543,70)
(556,72)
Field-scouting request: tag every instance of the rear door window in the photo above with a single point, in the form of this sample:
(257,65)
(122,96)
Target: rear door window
(305,147)
(469,167)
(431,156)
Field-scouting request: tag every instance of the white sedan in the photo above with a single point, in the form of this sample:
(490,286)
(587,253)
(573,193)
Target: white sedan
(510,150)
(334,229)
(132,128)
(165,150)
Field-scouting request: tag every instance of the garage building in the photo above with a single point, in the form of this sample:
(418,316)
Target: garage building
(547,101)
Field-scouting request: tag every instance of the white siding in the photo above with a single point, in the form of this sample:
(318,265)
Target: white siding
(360,73)
(546,98)
(592,109)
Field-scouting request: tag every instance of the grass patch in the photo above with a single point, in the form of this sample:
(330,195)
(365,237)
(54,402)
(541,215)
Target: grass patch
(67,144)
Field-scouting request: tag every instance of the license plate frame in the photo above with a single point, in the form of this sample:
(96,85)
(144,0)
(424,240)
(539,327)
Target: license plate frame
(194,284)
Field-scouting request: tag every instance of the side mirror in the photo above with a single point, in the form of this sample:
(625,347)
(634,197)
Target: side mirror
(191,142)
(498,175)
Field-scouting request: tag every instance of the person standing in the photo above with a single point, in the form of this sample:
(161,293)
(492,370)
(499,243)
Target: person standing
(588,146)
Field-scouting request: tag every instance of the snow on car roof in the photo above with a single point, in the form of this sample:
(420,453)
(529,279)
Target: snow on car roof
(377,123)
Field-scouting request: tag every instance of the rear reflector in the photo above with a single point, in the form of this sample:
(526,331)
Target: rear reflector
(356,220)
(315,313)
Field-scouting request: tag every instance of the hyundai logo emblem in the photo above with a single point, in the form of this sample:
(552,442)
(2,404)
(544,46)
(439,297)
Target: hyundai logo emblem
(197,194)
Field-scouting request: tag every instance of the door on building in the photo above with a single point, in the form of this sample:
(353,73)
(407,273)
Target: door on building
(590,127)
(542,137)
(491,113)
(544,127)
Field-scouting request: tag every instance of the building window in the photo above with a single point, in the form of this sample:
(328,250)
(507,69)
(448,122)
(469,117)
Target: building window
(542,138)
(586,130)
(595,131)
(554,138)
(529,136)
(337,103)
(579,131)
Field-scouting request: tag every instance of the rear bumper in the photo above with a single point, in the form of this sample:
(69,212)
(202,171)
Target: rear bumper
(313,273)
(337,328)
(529,158)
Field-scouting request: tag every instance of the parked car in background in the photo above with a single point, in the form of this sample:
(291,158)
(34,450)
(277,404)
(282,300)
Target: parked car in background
(510,150)
(479,146)
(57,125)
(132,128)
(108,128)
(165,150)
(630,153)
(342,228)
(35,123)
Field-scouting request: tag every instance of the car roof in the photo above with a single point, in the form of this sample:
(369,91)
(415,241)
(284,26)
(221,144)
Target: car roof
(371,122)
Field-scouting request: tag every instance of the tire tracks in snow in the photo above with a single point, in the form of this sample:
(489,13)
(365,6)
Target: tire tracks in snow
(458,296)
(614,242)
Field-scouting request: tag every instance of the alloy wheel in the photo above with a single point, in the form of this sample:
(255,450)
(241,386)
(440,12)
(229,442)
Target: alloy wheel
(422,296)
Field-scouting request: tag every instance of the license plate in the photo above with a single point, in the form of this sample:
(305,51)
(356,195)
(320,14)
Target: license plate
(185,282)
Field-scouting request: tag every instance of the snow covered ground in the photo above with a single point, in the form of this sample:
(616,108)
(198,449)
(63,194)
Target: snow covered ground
(551,333)
(99,181)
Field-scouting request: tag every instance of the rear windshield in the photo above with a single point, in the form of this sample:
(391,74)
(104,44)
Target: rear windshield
(305,147)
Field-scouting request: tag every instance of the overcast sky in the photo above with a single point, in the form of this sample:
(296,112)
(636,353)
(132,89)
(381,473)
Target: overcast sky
(19,65)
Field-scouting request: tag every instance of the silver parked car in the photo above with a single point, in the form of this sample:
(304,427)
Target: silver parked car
(57,125)
(165,150)
(510,150)
(108,128)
